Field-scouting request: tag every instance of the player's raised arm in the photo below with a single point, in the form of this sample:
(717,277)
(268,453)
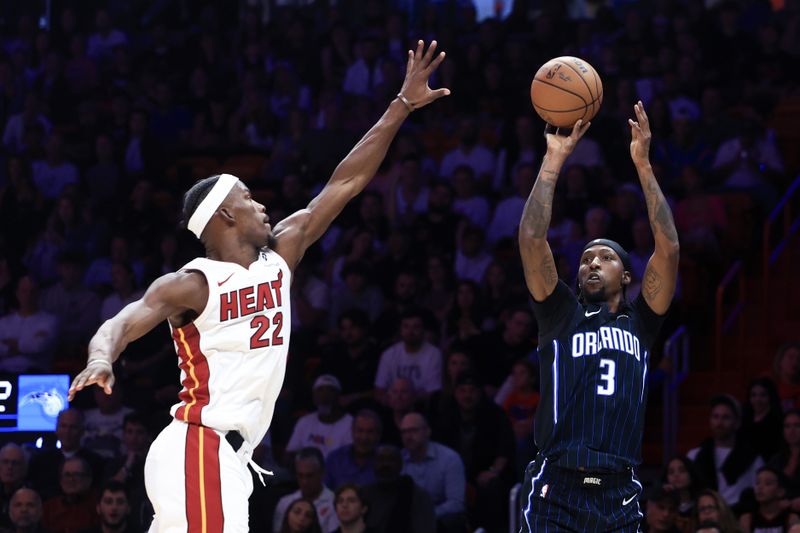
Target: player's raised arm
(299,231)
(661,273)
(168,296)
(537,259)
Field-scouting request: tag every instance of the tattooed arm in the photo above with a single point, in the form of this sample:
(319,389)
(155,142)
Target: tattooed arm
(537,259)
(661,274)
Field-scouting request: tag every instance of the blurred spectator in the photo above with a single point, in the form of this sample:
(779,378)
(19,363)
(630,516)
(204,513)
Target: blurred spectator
(75,509)
(77,308)
(355,463)
(45,467)
(470,152)
(520,403)
(128,467)
(467,317)
(472,260)
(786,373)
(396,503)
(13,472)
(27,335)
(142,152)
(440,403)
(468,203)
(25,512)
(762,417)
(104,423)
(438,289)
(351,507)
(357,292)
(401,399)
(700,217)
(517,154)
(408,193)
(310,299)
(106,38)
(405,295)
(365,73)
(354,359)
(787,460)
(750,160)
(53,174)
(309,468)
(412,358)
(680,476)
(434,229)
(661,511)
(21,205)
(684,146)
(437,469)
(113,510)
(18,126)
(124,292)
(105,175)
(726,462)
(770,513)
(327,428)
(498,350)
(508,211)
(477,430)
(301,517)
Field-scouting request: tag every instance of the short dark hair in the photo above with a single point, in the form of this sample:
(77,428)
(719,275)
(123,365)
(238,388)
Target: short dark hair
(412,312)
(350,486)
(729,401)
(114,486)
(779,475)
(195,195)
(357,316)
(310,453)
(135,417)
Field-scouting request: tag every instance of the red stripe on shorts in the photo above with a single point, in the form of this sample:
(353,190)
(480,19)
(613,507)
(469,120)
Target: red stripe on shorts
(203,485)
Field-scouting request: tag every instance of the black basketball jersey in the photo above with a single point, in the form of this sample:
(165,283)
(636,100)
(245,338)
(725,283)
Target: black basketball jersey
(593,380)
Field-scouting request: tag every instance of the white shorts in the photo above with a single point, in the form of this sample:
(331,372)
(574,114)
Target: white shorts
(196,482)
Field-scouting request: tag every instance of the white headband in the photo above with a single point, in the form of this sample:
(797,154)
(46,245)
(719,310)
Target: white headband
(207,208)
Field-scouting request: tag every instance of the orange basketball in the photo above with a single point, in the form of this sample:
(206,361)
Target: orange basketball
(566,89)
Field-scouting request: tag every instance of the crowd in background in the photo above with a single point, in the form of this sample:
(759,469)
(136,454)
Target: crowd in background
(412,377)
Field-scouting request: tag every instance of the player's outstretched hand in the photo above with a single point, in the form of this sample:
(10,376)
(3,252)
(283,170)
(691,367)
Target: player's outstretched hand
(563,145)
(640,135)
(97,372)
(419,68)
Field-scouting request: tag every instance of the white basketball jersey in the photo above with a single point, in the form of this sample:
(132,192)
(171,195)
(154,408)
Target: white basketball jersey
(233,355)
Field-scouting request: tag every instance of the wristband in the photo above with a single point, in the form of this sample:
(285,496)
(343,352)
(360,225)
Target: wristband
(405,101)
(101,361)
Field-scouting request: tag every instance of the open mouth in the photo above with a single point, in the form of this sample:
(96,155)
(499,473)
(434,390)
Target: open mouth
(593,278)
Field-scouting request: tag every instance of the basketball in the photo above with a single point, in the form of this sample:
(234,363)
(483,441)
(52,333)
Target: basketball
(566,89)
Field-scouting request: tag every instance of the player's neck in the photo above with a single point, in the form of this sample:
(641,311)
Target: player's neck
(614,304)
(770,509)
(232,251)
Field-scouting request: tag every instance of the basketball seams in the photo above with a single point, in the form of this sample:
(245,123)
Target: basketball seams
(561,89)
(584,82)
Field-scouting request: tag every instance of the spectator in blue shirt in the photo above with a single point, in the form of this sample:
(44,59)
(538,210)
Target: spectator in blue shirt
(435,468)
(355,463)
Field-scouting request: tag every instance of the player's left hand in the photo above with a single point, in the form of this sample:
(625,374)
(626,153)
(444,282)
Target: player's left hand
(640,135)
(419,68)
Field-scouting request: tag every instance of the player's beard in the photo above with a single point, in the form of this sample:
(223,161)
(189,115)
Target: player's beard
(594,297)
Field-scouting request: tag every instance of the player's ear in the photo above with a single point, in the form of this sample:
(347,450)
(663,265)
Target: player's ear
(626,278)
(226,214)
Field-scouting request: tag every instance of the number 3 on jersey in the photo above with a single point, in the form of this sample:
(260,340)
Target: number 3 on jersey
(609,368)
(261,324)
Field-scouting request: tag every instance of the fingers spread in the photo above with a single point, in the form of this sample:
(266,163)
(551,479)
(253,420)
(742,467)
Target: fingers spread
(410,62)
(420,47)
(436,62)
(429,53)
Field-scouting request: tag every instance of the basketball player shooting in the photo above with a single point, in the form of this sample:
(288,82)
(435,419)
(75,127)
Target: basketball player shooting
(594,348)
(230,320)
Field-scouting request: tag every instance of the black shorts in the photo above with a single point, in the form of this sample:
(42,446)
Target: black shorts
(559,499)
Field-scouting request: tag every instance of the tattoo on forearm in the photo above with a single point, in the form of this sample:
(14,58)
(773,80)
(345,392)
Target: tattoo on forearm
(548,270)
(538,208)
(658,211)
(652,282)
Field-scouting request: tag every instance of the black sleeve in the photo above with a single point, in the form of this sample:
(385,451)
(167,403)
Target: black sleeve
(649,320)
(555,312)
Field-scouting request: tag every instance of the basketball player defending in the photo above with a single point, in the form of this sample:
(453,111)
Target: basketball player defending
(229,315)
(593,355)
